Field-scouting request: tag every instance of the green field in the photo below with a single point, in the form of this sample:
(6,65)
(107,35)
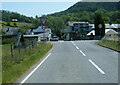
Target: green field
(14,67)
(19,24)
(0,64)
(109,44)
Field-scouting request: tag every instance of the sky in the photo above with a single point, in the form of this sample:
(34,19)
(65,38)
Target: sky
(40,7)
(36,8)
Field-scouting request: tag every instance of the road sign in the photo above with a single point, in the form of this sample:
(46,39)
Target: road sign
(43,20)
(100,25)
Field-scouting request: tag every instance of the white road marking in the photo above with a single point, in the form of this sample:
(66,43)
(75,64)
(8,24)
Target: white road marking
(82,53)
(77,47)
(102,72)
(61,41)
(72,41)
(36,68)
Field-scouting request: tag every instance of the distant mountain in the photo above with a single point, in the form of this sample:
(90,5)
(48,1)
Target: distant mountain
(90,7)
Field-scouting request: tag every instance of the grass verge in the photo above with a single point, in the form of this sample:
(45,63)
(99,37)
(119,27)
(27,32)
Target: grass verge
(19,24)
(110,44)
(0,64)
(12,70)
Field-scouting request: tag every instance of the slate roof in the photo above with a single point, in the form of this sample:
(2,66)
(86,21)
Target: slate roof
(10,30)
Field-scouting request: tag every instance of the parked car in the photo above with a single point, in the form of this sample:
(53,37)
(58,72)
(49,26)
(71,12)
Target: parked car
(54,38)
(44,38)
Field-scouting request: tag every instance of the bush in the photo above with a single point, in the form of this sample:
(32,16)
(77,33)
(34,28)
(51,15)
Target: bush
(8,40)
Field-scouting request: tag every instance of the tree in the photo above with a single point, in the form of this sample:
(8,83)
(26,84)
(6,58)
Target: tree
(99,30)
(8,23)
(15,25)
(36,17)
(36,23)
(56,24)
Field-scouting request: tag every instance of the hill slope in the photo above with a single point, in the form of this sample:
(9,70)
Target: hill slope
(90,7)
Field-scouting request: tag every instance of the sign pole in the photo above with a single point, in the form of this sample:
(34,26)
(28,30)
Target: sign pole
(43,21)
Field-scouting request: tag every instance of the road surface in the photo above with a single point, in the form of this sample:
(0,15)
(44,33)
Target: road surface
(76,62)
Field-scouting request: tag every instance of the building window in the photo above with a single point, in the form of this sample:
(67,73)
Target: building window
(72,28)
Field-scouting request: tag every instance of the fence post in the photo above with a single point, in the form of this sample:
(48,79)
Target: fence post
(19,48)
(11,50)
(25,46)
(32,43)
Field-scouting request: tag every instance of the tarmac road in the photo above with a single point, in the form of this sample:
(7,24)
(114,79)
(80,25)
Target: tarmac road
(76,62)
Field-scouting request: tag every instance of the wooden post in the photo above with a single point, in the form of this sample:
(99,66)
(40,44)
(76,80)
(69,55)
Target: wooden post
(19,48)
(11,50)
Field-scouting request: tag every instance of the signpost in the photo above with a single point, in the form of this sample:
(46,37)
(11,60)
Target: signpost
(100,26)
(43,21)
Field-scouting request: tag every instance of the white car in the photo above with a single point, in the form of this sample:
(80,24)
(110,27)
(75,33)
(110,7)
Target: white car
(54,38)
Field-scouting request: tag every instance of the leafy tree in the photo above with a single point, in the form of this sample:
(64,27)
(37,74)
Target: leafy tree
(8,23)
(36,23)
(117,21)
(56,24)
(8,16)
(15,25)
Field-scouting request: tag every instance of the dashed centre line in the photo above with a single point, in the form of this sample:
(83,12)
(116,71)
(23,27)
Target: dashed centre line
(101,71)
(78,48)
(98,68)
(82,53)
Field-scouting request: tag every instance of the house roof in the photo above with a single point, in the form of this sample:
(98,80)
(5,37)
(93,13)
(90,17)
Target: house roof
(107,31)
(10,30)
(72,23)
(107,26)
(39,29)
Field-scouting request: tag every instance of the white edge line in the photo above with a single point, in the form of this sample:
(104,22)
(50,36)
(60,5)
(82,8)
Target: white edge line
(82,53)
(36,68)
(102,72)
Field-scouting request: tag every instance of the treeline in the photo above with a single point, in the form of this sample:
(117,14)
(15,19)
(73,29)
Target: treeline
(7,16)
(84,11)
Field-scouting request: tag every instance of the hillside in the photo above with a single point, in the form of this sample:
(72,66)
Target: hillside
(90,7)
(7,16)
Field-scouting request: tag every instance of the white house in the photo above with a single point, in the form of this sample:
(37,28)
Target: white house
(39,33)
(107,31)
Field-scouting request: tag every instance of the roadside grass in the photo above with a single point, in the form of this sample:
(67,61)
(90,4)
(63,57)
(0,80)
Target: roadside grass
(14,67)
(19,24)
(109,44)
(0,64)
